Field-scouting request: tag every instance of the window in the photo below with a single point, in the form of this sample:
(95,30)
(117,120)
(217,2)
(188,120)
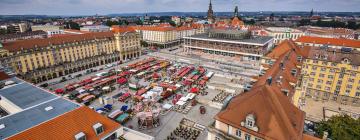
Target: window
(249,123)
(327,88)
(330,76)
(357,94)
(247,137)
(293,72)
(238,132)
(98,128)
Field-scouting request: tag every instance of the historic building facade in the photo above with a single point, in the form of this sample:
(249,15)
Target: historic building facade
(42,59)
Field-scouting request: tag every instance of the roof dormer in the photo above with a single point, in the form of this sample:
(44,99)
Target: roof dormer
(249,122)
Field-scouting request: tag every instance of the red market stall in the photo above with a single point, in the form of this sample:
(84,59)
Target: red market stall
(202,82)
(122,81)
(194,90)
(141,91)
(156,76)
(124,97)
(59,91)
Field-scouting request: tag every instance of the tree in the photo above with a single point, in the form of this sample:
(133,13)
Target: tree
(111,23)
(72,25)
(250,22)
(172,23)
(352,25)
(144,43)
(3,31)
(304,22)
(340,128)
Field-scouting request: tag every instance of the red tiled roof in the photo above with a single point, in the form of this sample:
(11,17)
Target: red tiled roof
(3,76)
(32,43)
(331,41)
(236,22)
(286,46)
(276,117)
(66,126)
(122,29)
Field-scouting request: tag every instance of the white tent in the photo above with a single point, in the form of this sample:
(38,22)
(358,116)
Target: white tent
(167,106)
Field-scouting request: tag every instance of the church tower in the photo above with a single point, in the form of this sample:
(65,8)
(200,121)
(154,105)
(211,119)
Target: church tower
(236,12)
(210,14)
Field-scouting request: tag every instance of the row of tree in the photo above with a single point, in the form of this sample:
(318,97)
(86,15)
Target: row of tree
(335,24)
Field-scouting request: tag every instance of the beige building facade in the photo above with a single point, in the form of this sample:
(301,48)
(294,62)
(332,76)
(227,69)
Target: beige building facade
(42,59)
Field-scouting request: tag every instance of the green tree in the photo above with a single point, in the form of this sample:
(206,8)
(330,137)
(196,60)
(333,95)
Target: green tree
(144,43)
(352,25)
(72,25)
(3,31)
(172,23)
(340,128)
(250,22)
(304,22)
(111,23)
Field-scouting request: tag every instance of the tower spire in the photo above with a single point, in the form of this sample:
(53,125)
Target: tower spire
(210,13)
(236,12)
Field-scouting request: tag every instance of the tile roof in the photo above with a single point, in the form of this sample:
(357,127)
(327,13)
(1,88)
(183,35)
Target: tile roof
(330,41)
(334,55)
(276,117)
(31,117)
(66,126)
(122,29)
(3,76)
(32,43)
(285,46)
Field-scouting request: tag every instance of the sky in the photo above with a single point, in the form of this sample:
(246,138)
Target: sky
(103,7)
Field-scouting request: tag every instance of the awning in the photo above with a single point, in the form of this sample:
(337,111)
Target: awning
(194,90)
(122,81)
(156,75)
(59,91)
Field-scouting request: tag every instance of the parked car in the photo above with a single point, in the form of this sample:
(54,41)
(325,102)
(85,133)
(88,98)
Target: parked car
(44,85)
(78,75)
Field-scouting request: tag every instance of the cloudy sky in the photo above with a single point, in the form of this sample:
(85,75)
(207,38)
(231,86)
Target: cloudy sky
(91,7)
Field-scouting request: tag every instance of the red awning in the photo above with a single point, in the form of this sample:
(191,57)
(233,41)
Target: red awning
(194,90)
(59,91)
(122,81)
(155,75)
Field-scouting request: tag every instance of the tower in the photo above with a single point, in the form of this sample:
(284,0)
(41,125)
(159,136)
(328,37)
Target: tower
(210,14)
(236,12)
(311,13)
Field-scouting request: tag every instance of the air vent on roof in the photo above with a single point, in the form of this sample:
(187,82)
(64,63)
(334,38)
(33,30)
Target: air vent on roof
(2,126)
(49,108)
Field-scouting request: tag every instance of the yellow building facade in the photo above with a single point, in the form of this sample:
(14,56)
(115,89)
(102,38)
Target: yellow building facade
(42,59)
(330,75)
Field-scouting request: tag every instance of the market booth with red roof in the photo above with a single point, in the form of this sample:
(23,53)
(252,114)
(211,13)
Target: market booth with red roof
(122,81)
(194,90)
(59,91)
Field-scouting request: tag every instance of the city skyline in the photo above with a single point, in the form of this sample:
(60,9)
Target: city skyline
(103,7)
